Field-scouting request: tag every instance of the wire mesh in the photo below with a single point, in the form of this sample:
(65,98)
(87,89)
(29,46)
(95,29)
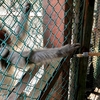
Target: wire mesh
(50,24)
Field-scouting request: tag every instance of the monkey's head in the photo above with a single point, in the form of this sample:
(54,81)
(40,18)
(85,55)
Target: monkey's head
(4,37)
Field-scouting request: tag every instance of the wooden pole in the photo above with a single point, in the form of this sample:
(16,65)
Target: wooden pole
(83,63)
(68,34)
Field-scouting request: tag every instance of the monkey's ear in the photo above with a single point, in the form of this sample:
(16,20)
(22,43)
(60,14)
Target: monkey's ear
(4,37)
(27,8)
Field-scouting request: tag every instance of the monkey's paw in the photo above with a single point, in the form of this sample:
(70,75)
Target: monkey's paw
(68,49)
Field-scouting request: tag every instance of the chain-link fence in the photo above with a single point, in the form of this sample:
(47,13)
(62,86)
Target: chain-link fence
(51,22)
(48,23)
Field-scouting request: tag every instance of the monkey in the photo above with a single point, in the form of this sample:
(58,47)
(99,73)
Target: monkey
(20,32)
(7,41)
(38,57)
(12,59)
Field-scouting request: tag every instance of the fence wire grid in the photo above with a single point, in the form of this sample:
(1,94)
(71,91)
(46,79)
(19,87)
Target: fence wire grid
(51,23)
(46,18)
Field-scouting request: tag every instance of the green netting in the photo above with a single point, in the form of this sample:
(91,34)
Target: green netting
(51,23)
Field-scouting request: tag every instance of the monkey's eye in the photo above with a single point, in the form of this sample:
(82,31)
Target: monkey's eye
(3,42)
(5,35)
(7,38)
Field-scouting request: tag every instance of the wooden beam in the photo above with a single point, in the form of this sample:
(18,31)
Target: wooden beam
(83,63)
